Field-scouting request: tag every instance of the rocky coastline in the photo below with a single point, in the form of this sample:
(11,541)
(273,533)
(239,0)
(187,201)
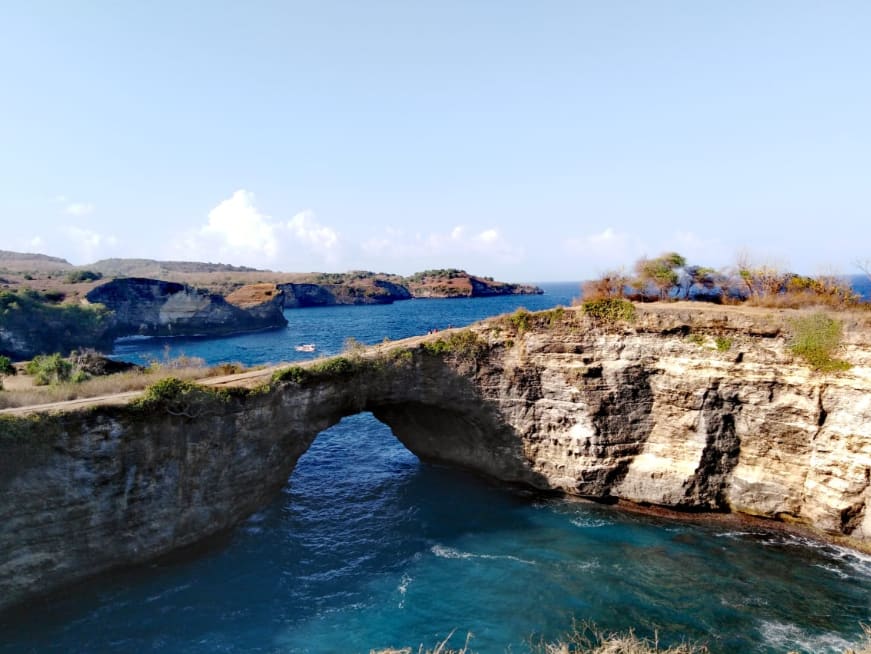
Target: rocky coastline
(654,412)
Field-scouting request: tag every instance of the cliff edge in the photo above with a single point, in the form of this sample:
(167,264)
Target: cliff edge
(693,408)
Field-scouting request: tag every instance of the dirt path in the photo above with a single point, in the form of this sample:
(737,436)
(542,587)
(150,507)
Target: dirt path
(248,379)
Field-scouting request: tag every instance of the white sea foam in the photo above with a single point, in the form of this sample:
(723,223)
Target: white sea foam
(589,523)
(167,593)
(403,588)
(254,518)
(784,637)
(444,552)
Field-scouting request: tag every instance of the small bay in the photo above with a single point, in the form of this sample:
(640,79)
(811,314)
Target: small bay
(368,547)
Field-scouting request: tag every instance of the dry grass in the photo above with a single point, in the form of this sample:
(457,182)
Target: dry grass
(583,639)
(132,380)
(587,639)
(441,648)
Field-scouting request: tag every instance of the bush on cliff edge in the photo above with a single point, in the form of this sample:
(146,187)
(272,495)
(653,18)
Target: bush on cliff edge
(815,338)
(611,309)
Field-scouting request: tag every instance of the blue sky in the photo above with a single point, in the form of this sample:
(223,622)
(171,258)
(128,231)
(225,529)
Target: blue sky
(525,140)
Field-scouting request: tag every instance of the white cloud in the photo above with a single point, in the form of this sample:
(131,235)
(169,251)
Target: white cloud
(239,227)
(89,245)
(459,241)
(605,250)
(321,239)
(79,208)
(611,249)
(238,232)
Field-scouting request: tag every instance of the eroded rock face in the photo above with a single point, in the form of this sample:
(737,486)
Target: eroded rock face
(152,307)
(378,291)
(651,412)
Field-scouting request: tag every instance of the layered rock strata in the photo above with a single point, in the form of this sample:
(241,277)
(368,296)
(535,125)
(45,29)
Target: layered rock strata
(151,307)
(696,409)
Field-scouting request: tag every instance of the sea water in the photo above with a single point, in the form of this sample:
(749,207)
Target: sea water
(367,547)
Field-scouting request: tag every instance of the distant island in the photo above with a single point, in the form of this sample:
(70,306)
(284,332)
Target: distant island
(49,305)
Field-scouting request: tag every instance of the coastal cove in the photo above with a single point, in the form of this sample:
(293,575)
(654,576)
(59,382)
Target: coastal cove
(368,547)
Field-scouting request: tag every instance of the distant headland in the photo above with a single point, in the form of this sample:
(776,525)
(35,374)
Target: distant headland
(50,305)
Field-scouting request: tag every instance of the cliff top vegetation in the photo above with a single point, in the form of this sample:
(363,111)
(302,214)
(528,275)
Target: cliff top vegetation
(671,277)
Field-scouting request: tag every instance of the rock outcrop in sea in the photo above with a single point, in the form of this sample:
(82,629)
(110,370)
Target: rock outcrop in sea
(151,307)
(697,409)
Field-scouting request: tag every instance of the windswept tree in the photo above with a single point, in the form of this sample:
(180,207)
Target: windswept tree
(661,273)
(702,276)
(610,284)
(760,279)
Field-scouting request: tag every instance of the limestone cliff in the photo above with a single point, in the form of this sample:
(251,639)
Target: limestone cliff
(697,409)
(152,307)
(369,291)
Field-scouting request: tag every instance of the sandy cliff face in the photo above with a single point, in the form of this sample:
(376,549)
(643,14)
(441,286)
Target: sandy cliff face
(656,414)
(650,412)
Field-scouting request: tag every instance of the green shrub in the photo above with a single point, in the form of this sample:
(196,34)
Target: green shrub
(327,369)
(335,367)
(610,309)
(6,367)
(698,339)
(295,374)
(815,338)
(49,369)
(723,343)
(180,398)
(554,316)
(520,320)
(78,276)
(464,344)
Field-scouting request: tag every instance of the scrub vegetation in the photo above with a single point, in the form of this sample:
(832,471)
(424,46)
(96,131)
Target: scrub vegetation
(816,338)
(586,639)
(769,284)
(612,309)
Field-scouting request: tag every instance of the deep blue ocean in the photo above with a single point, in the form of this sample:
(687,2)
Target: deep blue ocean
(367,547)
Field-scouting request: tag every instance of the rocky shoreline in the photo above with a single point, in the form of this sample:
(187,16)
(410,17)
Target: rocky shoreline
(652,414)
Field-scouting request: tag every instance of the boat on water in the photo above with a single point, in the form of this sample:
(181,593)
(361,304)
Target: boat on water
(305,347)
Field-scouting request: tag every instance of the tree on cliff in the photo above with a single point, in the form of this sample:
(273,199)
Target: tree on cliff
(610,284)
(661,273)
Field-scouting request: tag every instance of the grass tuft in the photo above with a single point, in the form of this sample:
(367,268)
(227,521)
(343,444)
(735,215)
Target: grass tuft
(815,338)
(610,309)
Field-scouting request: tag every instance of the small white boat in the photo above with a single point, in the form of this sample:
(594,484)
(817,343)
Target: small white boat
(305,347)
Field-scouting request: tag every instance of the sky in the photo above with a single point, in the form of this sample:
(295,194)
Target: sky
(530,141)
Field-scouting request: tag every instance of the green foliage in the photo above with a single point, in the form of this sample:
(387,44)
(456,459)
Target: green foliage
(464,344)
(49,369)
(554,316)
(723,343)
(610,309)
(815,338)
(520,320)
(440,273)
(335,367)
(698,339)
(51,327)
(295,374)
(6,367)
(660,272)
(401,356)
(78,276)
(180,398)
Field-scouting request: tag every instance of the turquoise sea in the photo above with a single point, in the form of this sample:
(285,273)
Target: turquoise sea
(367,547)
